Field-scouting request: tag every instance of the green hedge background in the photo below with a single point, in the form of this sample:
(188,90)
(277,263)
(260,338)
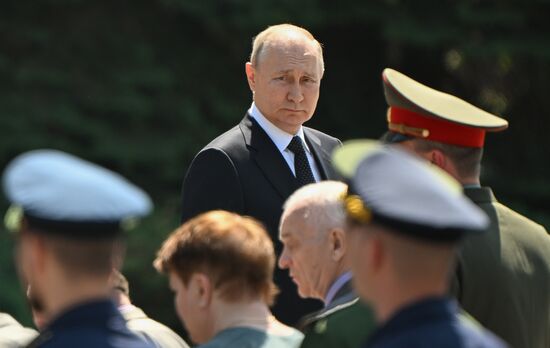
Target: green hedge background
(140,86)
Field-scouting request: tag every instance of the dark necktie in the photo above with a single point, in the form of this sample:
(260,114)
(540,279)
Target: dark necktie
(304,175)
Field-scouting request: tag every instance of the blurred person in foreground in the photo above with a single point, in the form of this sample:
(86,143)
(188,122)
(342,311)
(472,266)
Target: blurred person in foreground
(13,334)
(68,215)
(137,321)
(159,335)
(502,277)
(220,267)
(315,252)
(252,168)
(405,221)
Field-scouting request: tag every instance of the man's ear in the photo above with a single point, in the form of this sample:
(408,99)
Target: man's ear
(250,76)
(377,251)
(202,289)
(32,257)
(338,246)
(40,253)
(439,159)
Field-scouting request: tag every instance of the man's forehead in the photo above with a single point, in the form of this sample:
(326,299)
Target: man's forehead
(304,50)
(303,47)
(288,36)
(294,222)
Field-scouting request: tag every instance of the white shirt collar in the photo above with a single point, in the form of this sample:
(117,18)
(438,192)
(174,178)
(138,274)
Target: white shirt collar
(336,286)
(277,135)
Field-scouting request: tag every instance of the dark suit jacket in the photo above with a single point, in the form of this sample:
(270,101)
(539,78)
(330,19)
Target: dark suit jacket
(503,275)
(243,171)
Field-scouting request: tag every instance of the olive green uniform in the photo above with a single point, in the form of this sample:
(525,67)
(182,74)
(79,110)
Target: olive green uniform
(347,322)
(12,334)
(503,276)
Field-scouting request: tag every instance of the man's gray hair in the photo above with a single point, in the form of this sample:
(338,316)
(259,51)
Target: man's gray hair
(322,203)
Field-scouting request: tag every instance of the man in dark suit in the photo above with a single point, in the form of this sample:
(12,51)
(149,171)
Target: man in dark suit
(252,168)
(503,276)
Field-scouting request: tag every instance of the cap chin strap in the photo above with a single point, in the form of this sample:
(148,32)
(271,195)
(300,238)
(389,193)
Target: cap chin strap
(403,129)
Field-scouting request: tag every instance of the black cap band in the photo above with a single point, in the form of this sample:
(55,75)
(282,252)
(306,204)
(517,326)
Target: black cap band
(75,229)
(393,137)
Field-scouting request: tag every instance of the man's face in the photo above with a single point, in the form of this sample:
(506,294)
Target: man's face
(306,254)
(286,82)
(188,309)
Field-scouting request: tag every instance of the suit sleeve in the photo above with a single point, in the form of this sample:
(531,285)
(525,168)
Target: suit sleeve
(211,183)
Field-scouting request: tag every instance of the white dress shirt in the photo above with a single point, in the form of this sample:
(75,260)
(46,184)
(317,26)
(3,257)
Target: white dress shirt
(336,286)
(281,139)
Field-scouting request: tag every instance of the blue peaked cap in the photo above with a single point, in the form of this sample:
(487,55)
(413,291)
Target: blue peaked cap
(60,193)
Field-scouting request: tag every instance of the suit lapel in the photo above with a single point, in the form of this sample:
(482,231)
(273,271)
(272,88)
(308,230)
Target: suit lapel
(267,157)
(322,157)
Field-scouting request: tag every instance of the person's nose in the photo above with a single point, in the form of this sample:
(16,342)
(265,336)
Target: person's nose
(284,259)
(295,93)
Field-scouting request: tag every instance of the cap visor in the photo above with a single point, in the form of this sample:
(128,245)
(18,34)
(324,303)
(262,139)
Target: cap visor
(347,158)
(394,138)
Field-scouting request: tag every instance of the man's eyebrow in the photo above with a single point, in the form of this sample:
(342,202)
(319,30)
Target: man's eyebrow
(306,73)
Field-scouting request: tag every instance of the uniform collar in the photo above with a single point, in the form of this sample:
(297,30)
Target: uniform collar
(480,195)
(429,310)
(92,313)
(280,138)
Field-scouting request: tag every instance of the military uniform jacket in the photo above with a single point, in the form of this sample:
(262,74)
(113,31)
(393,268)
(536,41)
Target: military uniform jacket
(90,325)
(13,334)
(242,171)
(152,331)
(346,322)
(503,276)
(431,323)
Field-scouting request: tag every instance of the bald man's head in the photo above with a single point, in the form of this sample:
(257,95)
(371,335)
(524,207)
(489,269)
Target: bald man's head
(283,35)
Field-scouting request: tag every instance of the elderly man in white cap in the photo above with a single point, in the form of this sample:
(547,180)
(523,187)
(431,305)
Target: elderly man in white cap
(68,215)
(405,222)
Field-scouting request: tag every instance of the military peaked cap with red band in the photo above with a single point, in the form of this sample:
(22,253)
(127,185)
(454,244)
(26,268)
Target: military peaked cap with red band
(420,111)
